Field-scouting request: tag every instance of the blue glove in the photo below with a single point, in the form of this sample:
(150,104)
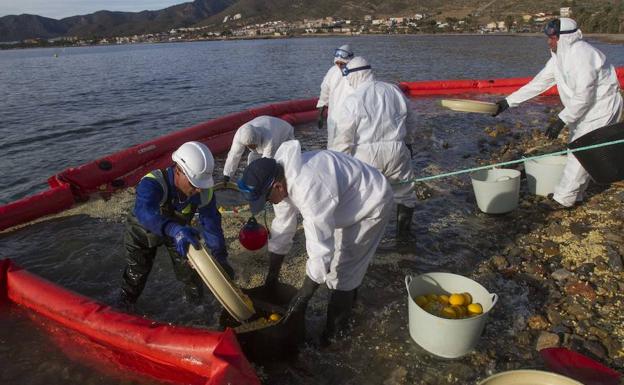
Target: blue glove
(183,236)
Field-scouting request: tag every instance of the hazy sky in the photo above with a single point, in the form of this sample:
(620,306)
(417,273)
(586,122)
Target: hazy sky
(58,9)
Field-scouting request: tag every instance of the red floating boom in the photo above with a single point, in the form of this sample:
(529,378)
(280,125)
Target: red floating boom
(179,354)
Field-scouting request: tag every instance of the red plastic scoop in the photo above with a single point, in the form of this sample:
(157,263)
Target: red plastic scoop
(580,367)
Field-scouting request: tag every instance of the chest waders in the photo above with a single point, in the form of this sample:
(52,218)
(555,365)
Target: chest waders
(141,246)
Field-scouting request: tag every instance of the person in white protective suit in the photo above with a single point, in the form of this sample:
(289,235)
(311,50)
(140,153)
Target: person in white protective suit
(373,127)
(345,205)
(334,89)
(589,91)
(262,136)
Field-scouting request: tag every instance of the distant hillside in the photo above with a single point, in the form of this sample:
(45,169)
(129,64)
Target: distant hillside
(105,23)
(212,12)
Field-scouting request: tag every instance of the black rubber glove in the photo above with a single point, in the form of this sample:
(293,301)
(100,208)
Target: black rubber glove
(321,117)
(501,106)
(552,132)
(409,147)
(226,179)
(300,300)
(275,264)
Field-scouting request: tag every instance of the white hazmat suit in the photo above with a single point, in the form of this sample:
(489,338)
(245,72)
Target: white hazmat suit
(373,126)
(589,91)
(334,90)
(345,205)
(267,133)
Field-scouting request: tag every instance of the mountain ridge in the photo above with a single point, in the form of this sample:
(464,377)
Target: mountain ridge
(212,12)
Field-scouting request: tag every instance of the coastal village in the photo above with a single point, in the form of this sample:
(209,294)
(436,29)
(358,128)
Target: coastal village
(236,27)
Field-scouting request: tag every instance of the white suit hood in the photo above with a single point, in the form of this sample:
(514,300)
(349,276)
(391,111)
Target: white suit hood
(250,135)
(266,132)
(355,79)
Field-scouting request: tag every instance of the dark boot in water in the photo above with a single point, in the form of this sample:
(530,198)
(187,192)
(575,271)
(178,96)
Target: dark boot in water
(404,222)
(338,314)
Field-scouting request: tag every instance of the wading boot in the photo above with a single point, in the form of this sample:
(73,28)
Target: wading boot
(338,314)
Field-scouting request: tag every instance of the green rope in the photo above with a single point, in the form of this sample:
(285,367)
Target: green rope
(414,180)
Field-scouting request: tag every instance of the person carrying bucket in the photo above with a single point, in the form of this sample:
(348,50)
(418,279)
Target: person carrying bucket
(345,205)
(373,127)
(262,136)
(166,201)
(589,91)
(334,90)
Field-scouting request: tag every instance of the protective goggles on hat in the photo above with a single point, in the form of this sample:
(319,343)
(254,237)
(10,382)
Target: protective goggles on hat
(553,28)
(253,193)
(346,71)
(342,54)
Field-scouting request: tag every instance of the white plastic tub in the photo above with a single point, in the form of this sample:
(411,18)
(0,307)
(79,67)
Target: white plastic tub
(448,338)
(528,377)
(544,174)
(496,190)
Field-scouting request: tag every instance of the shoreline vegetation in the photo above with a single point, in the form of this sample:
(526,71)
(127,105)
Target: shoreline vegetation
(611,38)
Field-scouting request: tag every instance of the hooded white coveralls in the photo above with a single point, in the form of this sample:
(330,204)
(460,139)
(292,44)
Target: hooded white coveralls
(334,90)
(372,126)
(589,91)
(345,205)
(266,132)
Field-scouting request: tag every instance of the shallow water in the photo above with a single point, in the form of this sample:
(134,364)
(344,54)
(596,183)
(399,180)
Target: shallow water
(84,252)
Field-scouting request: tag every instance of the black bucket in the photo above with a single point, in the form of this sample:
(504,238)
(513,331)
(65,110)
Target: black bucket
(277,342)
(604,164)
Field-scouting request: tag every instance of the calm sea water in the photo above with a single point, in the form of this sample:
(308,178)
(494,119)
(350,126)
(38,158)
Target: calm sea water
(58,112)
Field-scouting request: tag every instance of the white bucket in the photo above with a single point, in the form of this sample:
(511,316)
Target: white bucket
(497,190)
(448,338)
(544,174)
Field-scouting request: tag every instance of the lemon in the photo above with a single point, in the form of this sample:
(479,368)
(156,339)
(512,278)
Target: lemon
(421,301)
(467,298)
(460,310)
(448,312)
(444,299)
(456,299)
(275,317)
(475,309)
(432,297)
(432,307)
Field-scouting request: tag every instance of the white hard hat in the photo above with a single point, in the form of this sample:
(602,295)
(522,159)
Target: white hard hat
(197,163)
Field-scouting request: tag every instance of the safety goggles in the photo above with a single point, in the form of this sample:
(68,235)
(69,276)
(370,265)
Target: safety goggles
(342,54)
(346,71)
(252,193)
(553,28)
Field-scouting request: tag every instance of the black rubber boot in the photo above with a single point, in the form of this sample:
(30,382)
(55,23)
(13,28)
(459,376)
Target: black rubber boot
(338,314)
(275,265)
(404,221)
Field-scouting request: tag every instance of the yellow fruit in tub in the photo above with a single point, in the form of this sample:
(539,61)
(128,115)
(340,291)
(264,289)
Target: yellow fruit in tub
(421,301)
(443,299)
(448,312)
(475,309)
(275,317)
(432,297)
(460,310)
(467,298)
(456,299)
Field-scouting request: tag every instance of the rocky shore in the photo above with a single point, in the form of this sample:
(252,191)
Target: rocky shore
(570,260)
